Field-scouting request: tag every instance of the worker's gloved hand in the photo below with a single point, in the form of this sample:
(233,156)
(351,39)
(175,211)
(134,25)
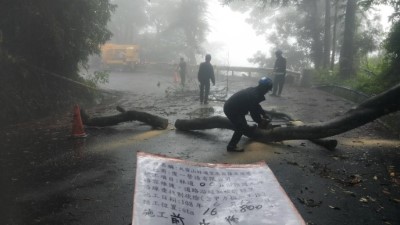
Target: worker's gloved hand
(263,124)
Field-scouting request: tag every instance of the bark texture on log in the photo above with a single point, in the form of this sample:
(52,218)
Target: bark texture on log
(371,109)
(125,116)
(204,123)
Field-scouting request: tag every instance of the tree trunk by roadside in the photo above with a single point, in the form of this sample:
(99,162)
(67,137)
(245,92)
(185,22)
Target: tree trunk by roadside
(327,34)
(125,116)
(335,22)
(316,30)
(373,108)
(347,51)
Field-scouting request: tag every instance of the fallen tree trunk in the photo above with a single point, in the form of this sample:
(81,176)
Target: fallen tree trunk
(125,116)
(371,109)
(223,122)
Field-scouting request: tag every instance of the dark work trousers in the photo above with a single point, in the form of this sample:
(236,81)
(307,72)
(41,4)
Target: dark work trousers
(241,127)
(183,76)
(204,90)
(279,81)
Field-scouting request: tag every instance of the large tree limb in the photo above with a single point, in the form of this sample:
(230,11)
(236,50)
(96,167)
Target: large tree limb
(223,122)
(124,116)
(371,109)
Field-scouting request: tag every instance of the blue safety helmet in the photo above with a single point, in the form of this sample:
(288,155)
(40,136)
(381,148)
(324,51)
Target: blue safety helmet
(266,83)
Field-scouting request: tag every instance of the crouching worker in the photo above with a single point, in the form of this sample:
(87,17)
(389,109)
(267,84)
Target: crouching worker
(240,104)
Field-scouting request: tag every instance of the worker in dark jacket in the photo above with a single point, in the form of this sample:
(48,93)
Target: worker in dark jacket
(240,104)
(279,73)
(182,70)
(206,73)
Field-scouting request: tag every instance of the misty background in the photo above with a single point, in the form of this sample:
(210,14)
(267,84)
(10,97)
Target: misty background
(236,33)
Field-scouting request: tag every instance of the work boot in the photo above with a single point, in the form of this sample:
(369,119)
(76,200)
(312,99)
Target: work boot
(234,149)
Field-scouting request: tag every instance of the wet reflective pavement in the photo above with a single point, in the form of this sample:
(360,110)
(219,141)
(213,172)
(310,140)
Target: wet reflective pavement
(49,178)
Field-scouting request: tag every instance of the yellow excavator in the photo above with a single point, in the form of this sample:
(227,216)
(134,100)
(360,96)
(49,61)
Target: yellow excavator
(123,57)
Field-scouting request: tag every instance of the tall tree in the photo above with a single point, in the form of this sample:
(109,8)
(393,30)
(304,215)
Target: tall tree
(311,35)
(327,34)
(392,47)
(177,28)
(334,29)
(190,18)
(128,20)
(314,26)
(347,51)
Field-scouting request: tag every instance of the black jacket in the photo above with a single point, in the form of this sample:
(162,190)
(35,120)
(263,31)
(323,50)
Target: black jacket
(182,67)
(280,65)
(206,72)
(245,101)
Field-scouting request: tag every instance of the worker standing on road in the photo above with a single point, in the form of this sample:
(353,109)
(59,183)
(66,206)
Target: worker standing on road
(182,71)
(240,104)
(279,73)
(205,74)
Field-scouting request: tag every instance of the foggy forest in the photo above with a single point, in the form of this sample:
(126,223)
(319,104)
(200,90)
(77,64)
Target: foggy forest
(88,86)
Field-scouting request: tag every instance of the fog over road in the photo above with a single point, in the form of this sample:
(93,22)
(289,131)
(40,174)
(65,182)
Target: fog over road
(48,178)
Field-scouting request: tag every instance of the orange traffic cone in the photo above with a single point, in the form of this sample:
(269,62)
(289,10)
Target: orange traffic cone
(77,126)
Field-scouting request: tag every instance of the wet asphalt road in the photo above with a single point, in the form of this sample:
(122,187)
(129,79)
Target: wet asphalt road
(49,178)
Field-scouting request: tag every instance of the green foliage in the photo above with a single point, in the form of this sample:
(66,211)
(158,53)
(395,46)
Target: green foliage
(297,27)
(392,43)
(98,77)
(389,73)
(376,74)
(366,84)
(326,77)
(370,79)
(54,35)
(366,4)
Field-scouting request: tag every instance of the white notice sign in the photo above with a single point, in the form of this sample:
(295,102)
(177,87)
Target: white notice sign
(177,192)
